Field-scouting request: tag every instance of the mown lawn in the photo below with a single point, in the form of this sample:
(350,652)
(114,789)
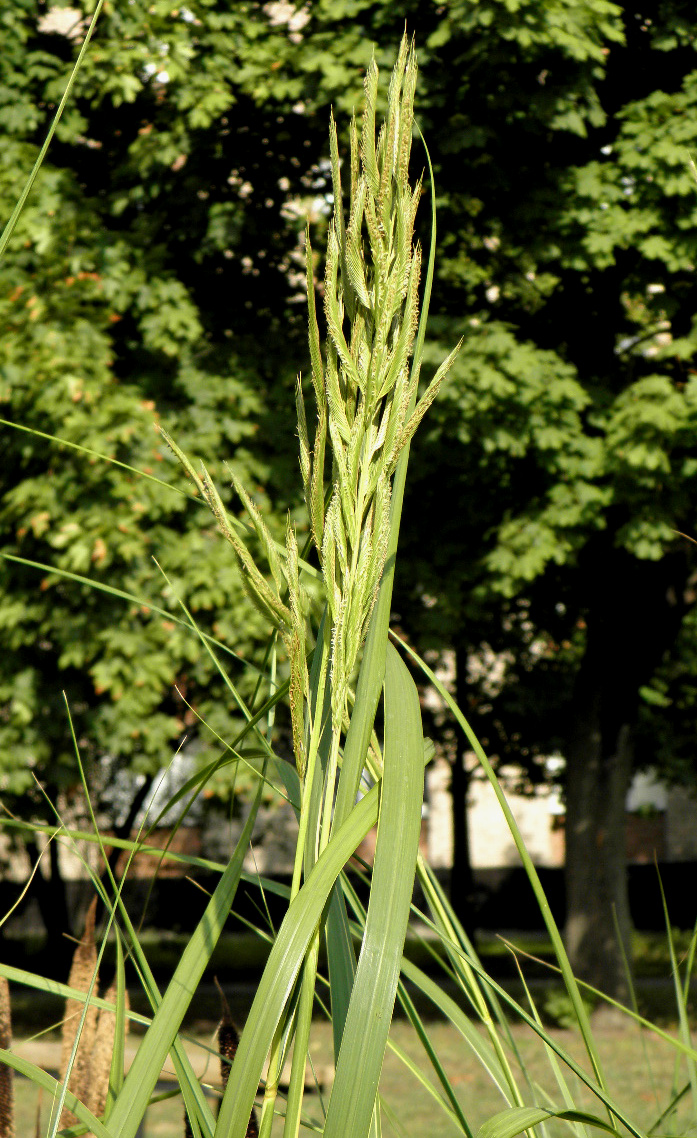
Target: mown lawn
(640,1073)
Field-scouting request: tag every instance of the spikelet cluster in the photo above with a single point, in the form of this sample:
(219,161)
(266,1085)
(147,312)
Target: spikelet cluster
(228,1042)
(365,390)
(364,385)
(282,600)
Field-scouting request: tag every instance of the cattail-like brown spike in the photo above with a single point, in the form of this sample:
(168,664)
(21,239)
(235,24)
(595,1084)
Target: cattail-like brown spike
(100,1071)
(228,1040)
(81,974)
(7,1127)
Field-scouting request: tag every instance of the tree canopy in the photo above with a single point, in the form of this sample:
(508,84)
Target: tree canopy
(155,275)
(133,297)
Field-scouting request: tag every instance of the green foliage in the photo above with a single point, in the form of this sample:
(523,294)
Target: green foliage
(62,362)
(558,1010)
(109,331)
(176,194)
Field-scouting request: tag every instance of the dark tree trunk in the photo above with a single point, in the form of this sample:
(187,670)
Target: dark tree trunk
(52,899)
(633,615)
(125,829)
(462,878)
(123,832)
(598,923)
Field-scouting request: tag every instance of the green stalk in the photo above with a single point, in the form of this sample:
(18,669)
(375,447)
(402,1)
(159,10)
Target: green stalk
(296,1088)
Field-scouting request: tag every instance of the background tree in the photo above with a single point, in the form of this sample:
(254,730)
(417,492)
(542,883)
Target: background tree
(567,218)
(568,432)
(133,295)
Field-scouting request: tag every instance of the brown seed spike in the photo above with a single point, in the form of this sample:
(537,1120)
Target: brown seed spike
(81,973)
(7,1128)
(100,1069)
(228,1041)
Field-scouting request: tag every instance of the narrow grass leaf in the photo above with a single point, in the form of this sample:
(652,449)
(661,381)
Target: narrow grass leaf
(101,587)
(399,826)
(570,982)
(284,963)
(119,1057)
(10,227)
(142,1077)
(42,1079)
(680,999)
(415,1070)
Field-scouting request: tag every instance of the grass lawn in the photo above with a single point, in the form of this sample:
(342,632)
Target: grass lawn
(639,1069)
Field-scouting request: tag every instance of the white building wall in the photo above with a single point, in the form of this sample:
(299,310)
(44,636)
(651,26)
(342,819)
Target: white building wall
(491,844)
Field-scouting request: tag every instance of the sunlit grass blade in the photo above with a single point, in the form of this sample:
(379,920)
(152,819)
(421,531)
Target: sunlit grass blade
(42,1079)
(284,964)
(598,1089)
(551,1057)
(10,227)
(483,1001)
(90,453)
(399,827)
(570,982)
(515,1121)
(111,590)
(135,846)
(681,1002)
(140,1081)
(116,1076)
(445,1005)
(303,1024)
(420,1077)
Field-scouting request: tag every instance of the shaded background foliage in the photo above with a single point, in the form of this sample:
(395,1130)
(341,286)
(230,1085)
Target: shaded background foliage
(155,277)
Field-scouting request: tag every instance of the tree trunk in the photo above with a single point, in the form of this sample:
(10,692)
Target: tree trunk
(598,925)
(462,878)
(52,899)
(634,611)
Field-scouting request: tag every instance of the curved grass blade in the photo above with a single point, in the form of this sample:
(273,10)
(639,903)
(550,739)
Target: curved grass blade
(284,963)
(570,982)
(102,457)
(141,1079)
(42,1079)
(268,883)
(101,587)
(190,1088)
(511,1122)
(417,1073)
(595,1086)
(116,1075)
(681,1001)
(399,827)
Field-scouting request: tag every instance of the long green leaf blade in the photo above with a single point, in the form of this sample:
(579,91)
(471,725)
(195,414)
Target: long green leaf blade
(399,826)
(140,1081)
(53,1087)
(283,966)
